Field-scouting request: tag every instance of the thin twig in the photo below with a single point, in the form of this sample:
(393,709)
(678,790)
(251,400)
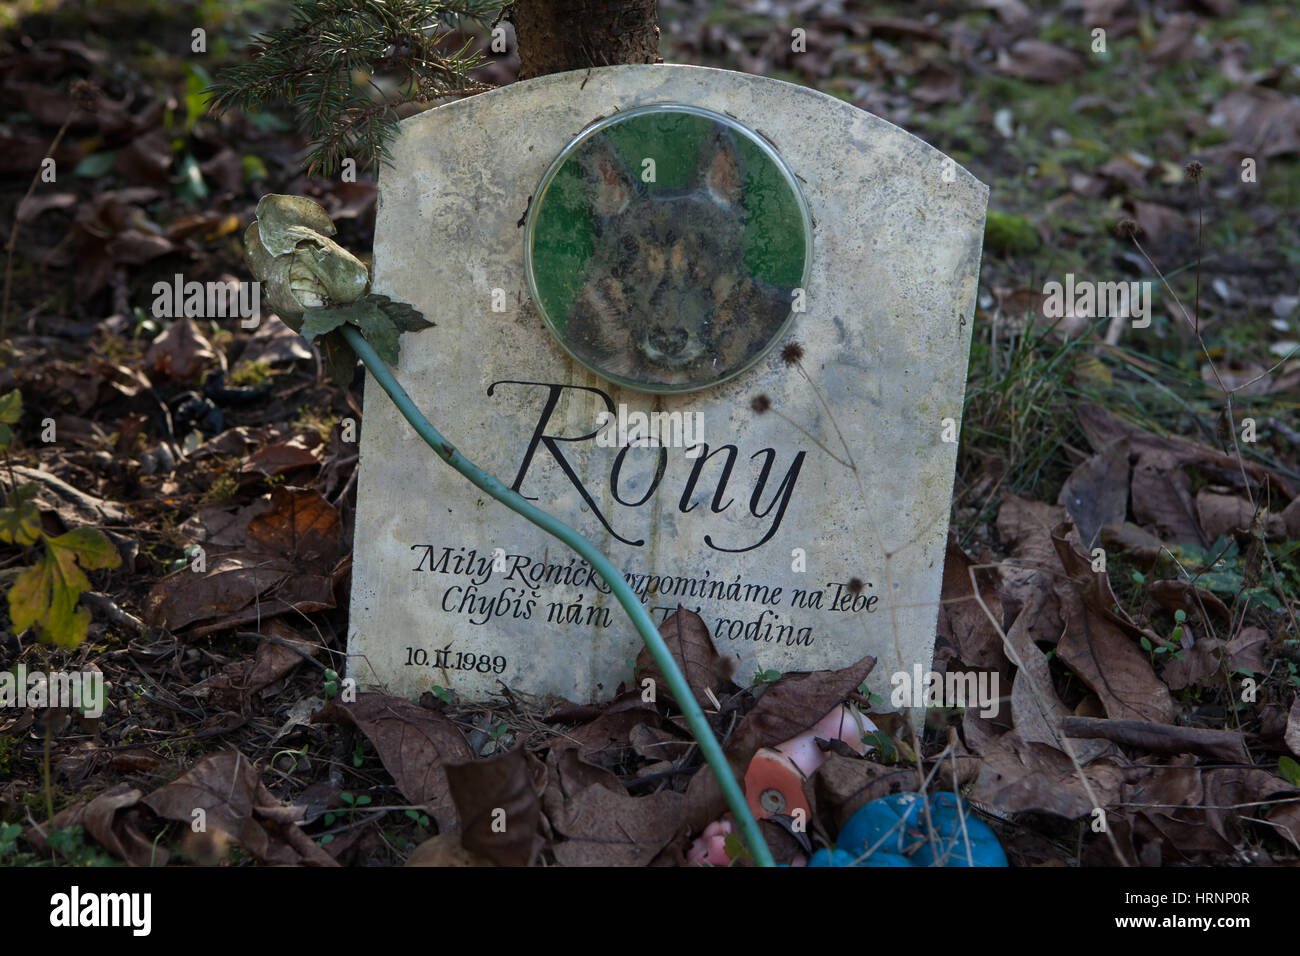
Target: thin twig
(13,232)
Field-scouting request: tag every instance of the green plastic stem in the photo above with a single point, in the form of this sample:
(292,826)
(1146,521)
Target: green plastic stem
(681,690)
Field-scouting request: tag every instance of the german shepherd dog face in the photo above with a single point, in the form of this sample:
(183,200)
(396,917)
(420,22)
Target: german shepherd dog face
(665,296)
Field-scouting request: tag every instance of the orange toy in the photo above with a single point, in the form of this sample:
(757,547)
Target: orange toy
(774,780)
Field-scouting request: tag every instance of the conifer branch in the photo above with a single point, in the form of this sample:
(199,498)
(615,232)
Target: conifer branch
(329,63)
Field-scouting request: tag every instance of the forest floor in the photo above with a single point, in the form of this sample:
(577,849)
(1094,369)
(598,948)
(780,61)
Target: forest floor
(1162,151)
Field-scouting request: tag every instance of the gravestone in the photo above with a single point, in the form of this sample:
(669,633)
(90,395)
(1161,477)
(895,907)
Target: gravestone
(785,280)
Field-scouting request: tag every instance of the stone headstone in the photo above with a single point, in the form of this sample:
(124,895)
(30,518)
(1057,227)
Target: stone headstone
(802,507)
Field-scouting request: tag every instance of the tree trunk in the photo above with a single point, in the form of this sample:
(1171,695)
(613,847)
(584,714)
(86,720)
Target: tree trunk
(559,35)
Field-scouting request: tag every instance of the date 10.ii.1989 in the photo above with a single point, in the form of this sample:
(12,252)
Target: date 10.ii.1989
(446,659)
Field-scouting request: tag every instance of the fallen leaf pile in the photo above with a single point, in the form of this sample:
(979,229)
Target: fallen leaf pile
(1123,561)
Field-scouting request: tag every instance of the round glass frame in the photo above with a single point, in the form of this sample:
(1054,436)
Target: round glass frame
(664,247)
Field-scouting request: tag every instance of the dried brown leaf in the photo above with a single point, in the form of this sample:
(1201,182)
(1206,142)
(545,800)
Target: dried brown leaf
(1096,493)
(180,351)
(962,622)
(498,807)
(415,745)
(1162,497)
(1194,665)
(300,526)
(1292,734)
(110,820)
(227,788)
(793,704)
(1016,776)
(1174,595)
(445,849)
(605,827)
(1246,650)
(238,587)
(1025,528)
(1099,644)
(1037,713)
(688,640)
(1232,514)
(280,458)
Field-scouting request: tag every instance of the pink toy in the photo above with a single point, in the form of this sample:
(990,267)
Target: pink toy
(709,848)
(774,780)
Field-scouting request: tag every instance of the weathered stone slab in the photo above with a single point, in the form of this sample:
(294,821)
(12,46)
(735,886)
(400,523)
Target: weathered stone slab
(767,550)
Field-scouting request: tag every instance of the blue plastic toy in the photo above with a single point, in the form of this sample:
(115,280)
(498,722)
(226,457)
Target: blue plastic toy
(893,831)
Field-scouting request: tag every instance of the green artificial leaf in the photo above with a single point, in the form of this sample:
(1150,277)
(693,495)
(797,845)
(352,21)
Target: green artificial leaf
(11,407)
(380,318)
(9,833)
(1289,770)
(381,332)
(319,321)
(406,317)
(44,596)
